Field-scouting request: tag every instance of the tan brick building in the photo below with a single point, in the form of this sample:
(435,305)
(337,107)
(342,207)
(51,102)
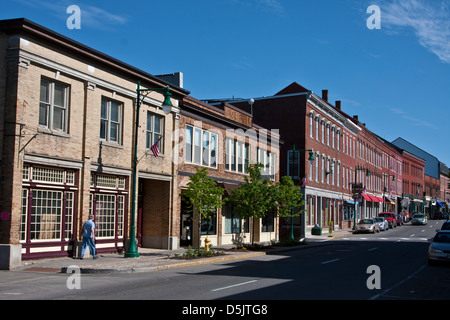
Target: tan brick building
(67,119)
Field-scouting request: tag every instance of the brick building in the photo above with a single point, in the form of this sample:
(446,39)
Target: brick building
(413,182)
(345,152)
(67,132)
(67,119)
(224,140)
(431,183)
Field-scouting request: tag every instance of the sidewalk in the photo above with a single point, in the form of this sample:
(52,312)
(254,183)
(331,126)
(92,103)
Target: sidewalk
(155,259)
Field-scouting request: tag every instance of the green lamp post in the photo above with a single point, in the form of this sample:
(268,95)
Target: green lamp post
(132,251)
(310,160)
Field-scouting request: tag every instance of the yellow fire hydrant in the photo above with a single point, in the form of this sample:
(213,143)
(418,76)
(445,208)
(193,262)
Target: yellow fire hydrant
(207,244)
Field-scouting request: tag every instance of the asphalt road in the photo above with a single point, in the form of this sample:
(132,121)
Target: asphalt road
(338,270)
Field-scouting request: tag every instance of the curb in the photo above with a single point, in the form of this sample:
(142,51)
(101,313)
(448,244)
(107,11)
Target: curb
(90,270)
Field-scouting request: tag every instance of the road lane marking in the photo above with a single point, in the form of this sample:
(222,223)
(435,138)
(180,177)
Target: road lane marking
(397,284)
(412,235)
(234,285)
(373,249)
(330,261)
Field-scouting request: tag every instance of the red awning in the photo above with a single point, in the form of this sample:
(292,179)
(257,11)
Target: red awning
(374,198)
(367,197)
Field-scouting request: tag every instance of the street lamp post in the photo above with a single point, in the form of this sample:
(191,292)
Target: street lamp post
(357,168)
(385,189)
(302,216)
(132,251)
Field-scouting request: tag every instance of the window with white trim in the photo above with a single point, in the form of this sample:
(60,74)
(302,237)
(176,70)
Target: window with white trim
(155,131)
(111,121)
(201,147)
(237,155)
(268,160)
(54,105)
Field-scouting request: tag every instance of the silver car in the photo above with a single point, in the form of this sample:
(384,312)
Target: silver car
(439,249)
(367,225)
(384,225)
(419,218)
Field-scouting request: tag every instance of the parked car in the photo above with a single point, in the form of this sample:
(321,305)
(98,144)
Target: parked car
(439,249)
(367,225)
(445,226)
(390,217)
(419,218)
(384,225)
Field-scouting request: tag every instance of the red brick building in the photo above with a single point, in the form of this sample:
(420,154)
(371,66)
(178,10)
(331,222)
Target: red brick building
(413,182)
(344,151)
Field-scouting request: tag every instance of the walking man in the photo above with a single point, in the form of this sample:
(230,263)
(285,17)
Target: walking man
(89,237)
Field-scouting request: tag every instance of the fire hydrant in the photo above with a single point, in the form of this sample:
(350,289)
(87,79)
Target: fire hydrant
(207,244)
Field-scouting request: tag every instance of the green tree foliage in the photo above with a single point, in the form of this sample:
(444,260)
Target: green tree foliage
(204,196)
(288,197)
(255,197)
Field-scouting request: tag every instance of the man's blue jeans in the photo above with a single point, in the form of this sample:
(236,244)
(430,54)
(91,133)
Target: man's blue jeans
(88,242)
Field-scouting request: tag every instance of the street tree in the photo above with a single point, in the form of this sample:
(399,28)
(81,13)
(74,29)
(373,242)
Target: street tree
(204,196)
(255,198)
(289,198)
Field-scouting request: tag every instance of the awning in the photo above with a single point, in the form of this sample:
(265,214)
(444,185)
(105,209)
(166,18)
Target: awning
(349,202)
(376,199)
(367,197)
(387,200)
(230,186)
(440,204)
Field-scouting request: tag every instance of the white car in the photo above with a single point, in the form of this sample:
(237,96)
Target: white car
(439,249)
(384,225)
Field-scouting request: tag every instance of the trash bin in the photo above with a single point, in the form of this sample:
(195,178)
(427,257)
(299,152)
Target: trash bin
(316,230)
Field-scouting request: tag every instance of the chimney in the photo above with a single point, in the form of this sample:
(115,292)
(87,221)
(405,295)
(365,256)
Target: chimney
(338,105)
(356,118)
(325,95)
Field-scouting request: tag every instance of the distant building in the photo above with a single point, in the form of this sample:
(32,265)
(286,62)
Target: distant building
(432,184)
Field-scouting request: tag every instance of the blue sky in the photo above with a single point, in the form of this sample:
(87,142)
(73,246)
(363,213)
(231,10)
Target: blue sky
(397,78)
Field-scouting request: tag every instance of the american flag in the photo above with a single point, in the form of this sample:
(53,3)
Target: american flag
(155,148)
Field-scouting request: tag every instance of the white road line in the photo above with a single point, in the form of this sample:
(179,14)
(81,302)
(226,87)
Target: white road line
(412,235)
(330,261)
(234,285)
(373,249)
(397,284)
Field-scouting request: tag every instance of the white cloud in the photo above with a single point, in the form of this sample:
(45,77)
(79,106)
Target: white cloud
(274,6)
(430,21)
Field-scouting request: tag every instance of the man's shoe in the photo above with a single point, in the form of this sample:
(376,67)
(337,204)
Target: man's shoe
(95,257)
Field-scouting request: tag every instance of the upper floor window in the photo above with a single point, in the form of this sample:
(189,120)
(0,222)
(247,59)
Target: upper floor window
(111,121)
(268,160)
(201,147)
(236,155)
(54,105)
(294,164)
(155,131)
